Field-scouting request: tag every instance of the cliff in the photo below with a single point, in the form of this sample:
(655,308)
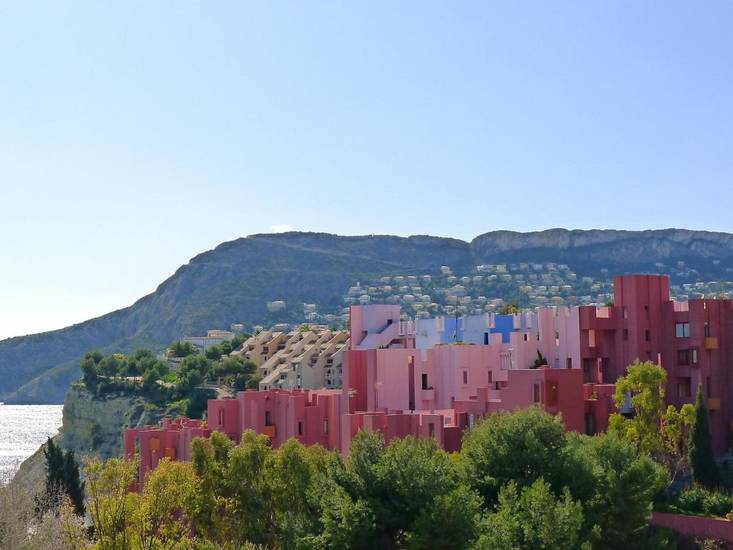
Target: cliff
(90,427)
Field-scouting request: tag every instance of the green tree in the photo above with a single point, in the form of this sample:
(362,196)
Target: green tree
(532,518)
(62,479)
(160,516)
(182,349)
(658,431)
(90,370)
(702,462)
(616,485)
(388,495)
(520,446)
(540,361)
(111,505)
(509,309)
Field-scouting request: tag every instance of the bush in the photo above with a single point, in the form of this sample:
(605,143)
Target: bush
(698,501)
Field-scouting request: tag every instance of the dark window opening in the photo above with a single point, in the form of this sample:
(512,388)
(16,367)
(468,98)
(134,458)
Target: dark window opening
(268,418)
(425,381)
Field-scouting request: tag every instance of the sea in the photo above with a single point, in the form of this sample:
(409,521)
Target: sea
(22,430)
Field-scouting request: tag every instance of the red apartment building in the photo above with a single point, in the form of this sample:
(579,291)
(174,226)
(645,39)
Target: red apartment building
(691,340)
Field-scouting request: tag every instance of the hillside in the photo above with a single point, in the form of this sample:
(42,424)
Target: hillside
(233,283)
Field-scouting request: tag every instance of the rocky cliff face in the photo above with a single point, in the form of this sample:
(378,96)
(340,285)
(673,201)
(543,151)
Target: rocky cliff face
(90,427)
(233,282)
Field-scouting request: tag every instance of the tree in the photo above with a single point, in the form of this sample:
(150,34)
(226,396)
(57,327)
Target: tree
(532,518)
(160,518)
(540,361)
(702,462)
(90,370)
(182,349)
(509,309)
(520,446)
(62,480)
(616,485)
(654,429)
(111,505)
(405,494)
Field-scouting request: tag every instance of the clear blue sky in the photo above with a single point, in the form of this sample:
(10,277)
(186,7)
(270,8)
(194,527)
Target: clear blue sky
(134,135)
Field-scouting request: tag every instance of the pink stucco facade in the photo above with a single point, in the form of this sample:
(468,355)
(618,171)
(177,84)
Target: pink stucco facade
(172,439)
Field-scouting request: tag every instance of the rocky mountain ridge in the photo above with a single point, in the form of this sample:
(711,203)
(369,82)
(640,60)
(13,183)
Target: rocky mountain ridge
(234,281)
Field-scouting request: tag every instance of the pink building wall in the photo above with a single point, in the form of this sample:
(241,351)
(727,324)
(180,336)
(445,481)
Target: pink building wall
(172,439)
(310,416)
(695,526)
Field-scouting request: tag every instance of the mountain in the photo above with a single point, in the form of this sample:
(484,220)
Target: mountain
(233,282)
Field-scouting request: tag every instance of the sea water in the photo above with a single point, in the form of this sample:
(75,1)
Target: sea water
(23,428)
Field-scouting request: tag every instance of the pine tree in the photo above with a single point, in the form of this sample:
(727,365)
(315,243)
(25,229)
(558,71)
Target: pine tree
(72,482)
(704,469)
(62,479)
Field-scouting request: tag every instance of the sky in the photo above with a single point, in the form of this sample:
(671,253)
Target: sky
(135,135)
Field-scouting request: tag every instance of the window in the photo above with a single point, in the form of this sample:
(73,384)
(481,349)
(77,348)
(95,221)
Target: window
(552,398)
(590,424)
(465,377)
(683,357)
(300,427)
(486,338)
(684,388)
(694,356)
(431,429)
(591,338)
(491,377)
(647,335)
(682,330)
(569,363)
(268,418)
(424,381)
(707,330)
(626,334)
(221,417)
(325,426)
(536,395)
(526,337)
(557,338)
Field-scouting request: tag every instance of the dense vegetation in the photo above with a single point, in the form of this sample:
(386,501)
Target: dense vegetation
(184,390)
(520,481)
(233,282)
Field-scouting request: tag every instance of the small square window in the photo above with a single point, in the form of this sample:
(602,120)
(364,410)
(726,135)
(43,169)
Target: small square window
(682,330)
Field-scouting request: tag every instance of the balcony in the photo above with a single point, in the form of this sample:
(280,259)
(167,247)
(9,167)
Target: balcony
(711,342)
(713,403)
